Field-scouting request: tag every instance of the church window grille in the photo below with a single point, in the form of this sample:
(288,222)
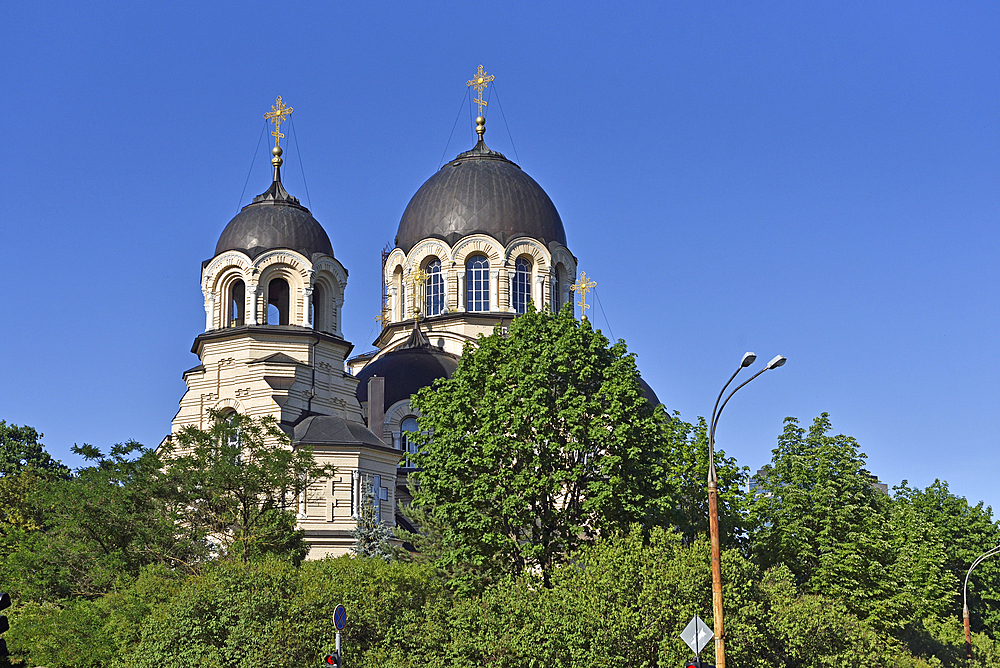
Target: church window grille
(407,428)
(435,288)
(477,284)
(277,302)
(318,314)
(237,302)
(522,285)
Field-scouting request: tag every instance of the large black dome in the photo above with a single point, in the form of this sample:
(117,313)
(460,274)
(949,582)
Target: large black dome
(406,369)
(480,191)
(274,219)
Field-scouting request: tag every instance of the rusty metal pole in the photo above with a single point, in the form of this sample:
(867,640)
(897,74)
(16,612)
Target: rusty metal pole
(968,632)
(713,524)
(965,599)
(713,504)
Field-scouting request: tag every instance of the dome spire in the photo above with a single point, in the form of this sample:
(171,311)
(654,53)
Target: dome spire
(279,112)
(480,81)
(582,287)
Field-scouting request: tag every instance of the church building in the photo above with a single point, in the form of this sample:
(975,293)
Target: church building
(477,243)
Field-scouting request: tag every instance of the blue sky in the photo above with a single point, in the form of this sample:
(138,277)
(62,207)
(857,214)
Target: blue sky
(820,180)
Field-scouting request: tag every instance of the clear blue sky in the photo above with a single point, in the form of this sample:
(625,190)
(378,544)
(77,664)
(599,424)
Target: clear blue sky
(813,179)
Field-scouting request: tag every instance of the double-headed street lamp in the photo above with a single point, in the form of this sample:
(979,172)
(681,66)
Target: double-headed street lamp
(713,502)
(965,598)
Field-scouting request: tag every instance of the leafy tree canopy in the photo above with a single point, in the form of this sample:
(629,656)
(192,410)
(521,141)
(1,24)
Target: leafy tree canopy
(817,512)
(541,441)
(20,450)
(240,481)
(965,531)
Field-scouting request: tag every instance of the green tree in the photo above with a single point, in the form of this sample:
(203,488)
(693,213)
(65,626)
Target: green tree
(240,481)
(687,475)
(541,441)
(818,513)
(966,532)
(95,530)
(371,535)
(20,450)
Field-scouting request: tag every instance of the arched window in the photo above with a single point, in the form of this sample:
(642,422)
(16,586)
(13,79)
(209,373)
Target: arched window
(434,301)
(277,302)
(318,314)
(408,427)
(398,310)
(521,296)
(477,284)
(560,284)
(237,302)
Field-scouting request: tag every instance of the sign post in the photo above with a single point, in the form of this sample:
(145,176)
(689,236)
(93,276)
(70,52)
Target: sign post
(339,622)
(697,634)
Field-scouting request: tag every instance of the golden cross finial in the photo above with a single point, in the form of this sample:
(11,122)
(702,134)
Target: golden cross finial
(383,315)
(582,287)
(279,112)
(479,82)
(416,280)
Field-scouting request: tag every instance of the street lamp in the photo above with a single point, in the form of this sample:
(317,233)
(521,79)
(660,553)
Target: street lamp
(713,501)
(965,601)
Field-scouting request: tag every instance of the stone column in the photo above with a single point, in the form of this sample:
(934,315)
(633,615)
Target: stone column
(461,291)
(307,321)
(251,318)
(540,292)
(338,303)
(393,304)
(494,289)
(504,293)
(209,311)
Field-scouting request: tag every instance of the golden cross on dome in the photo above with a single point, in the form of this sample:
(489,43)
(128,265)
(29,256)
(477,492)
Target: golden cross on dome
(479,82)
(582,287)
(279,112)
(417,279)
(383,315)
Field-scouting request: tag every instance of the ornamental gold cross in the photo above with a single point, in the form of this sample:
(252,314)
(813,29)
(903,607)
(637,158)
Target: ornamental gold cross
(479,82)
(582,287)
(416,280)
(279,112)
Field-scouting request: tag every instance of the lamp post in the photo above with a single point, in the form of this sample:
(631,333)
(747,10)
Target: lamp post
(965,600)
(713,502)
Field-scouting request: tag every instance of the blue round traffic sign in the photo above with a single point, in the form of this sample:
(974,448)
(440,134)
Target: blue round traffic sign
(340,617)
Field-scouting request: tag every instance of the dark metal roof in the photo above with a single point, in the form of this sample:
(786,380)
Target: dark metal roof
(480,191)
(274,219)
(333,430)
(406,369)
(648,392)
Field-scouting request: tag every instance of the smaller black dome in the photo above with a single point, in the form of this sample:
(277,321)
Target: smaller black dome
(413,365)
(648,392)
(274,219)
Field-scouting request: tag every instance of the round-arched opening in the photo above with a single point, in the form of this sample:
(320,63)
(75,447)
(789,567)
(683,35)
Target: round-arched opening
(477,283)
(277,302)
(235,305)
(434,289)
(521,292)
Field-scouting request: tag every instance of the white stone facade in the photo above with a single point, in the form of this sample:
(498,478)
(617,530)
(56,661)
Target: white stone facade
(290,369)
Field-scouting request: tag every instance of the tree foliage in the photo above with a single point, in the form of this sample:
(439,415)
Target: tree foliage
(371,534)
(686,476)
(21,451)
(100,526)
(966,532)
(816,511)
(541,441)
(240,481)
